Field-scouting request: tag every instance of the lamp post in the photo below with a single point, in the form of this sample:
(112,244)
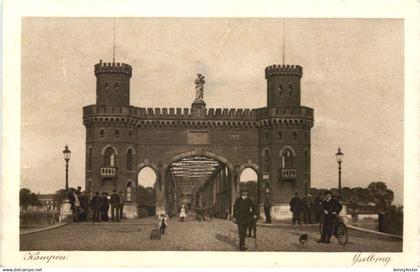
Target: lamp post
(339,157)
(67,154)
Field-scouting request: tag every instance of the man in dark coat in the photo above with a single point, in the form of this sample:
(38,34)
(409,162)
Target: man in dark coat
(267,208)
(71,198)
(104,207)
(295,208)
(95,205)
(84,206)
(307,203)
(318,208)
(243,213)
(331,208)
(121,206)
(115,203)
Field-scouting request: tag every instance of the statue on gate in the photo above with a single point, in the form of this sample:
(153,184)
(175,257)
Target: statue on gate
(199,88)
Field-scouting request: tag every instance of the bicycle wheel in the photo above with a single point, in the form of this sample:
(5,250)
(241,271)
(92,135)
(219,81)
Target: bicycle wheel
(341,234)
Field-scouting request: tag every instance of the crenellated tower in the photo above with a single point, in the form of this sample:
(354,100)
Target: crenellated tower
(112,83)
(284,137)
(283,85)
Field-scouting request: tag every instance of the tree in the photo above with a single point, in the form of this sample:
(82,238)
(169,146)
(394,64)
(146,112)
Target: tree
(26,198)
(380,195)
(60,196)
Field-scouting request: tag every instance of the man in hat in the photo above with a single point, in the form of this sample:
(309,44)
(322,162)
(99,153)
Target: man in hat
(243,214)
(318,207)
(331,208)
(115,203)
(121,205)
(295,208)
(267,208)
(104,207)
(95,205)
(307,204)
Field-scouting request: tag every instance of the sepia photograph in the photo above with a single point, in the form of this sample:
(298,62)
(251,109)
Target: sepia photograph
(212,134)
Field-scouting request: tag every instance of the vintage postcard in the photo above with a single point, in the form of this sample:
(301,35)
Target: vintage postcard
(251,136)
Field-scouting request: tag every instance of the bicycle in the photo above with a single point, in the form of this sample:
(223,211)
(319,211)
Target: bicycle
(339,229)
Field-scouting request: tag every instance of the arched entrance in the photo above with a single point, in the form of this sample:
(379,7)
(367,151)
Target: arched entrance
(249,178)
(146,192)
(201,181)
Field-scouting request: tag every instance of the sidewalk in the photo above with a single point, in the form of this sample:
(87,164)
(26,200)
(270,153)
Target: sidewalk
(29,231)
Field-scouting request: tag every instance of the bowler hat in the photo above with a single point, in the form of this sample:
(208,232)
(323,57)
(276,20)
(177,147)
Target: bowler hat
(244,188)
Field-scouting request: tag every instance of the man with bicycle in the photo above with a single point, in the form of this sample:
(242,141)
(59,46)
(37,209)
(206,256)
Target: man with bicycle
(331,207)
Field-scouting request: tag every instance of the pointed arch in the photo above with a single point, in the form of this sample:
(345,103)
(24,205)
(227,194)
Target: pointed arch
(109,146)
(287,155)
(287,147)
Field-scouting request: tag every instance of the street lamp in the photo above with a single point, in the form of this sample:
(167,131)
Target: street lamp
(67,154)
(339,156)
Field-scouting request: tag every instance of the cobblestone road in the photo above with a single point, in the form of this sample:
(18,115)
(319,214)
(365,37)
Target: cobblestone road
(212,235)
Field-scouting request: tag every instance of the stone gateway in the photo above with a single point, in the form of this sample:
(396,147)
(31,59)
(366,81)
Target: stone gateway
(122,139)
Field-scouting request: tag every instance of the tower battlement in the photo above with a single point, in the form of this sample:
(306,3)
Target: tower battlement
(113,67)
(283,70)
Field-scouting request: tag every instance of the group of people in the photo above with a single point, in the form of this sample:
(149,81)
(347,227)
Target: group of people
(307,207)
(98,206)
(323,207)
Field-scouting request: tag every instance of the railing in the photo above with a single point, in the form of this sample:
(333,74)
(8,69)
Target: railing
(288,174)
(108,172)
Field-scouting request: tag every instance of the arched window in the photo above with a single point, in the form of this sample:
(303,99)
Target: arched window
(267,160)
(129,190)
(106,86)
(102,133)
(117,133)
(109,157)
(89,158)
(290,89)
(130,160)
(306,159)
(280,89)
(280,133)
(294,135)
(287,159)
(116,87)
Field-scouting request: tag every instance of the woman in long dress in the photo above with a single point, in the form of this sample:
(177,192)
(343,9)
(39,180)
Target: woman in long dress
(183,213)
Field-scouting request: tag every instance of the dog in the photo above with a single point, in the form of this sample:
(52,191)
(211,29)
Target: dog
(303,239)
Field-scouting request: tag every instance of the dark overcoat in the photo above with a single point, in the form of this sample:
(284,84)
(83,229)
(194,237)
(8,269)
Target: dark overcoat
(332,206)
(243,211)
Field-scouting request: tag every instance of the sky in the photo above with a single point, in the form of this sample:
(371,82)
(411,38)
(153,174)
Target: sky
(352,77)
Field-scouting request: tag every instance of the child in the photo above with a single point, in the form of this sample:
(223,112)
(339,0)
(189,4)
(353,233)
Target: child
(163,223)
(183,213)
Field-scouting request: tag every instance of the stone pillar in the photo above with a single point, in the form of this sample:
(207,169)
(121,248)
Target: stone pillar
(66,213)
(160,189)
(130,211)
(343,212)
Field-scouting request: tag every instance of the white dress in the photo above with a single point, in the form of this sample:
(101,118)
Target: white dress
(183,212)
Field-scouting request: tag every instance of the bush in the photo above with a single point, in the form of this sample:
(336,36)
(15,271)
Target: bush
(38,218)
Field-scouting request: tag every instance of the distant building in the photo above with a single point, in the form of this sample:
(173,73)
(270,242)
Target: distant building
(46,203)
